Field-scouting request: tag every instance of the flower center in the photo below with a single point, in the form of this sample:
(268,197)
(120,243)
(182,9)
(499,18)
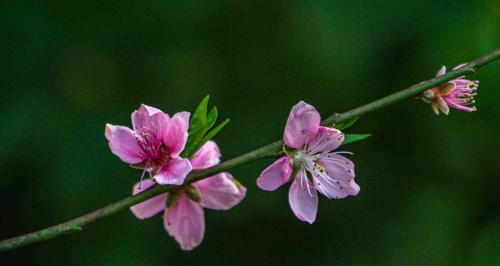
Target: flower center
(308,162)
(153,149)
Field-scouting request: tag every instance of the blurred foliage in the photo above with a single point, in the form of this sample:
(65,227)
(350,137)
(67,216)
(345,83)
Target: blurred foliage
(429,185)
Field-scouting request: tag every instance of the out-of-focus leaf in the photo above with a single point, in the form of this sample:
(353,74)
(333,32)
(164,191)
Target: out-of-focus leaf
(346,124)
(350,138)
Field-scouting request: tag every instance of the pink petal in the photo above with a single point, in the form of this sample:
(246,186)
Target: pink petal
(149,119)
(208,155)
(441,71)
(326,140)
(151,207)
(336,189)
(185,222)
(338,167)
(174,172)
(220,192)
(275,175)
(176,134)
(123,143)
(304,206)
(354,188)
(302,123)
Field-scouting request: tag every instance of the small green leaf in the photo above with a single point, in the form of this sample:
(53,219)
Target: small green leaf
(198,126)
(212,117)
(201,111)
(350,138)
(211,134)
(346,124)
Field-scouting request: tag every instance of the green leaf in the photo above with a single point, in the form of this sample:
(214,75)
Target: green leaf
(200,128)
(212,117)
(210,135)
(346,124)
(350,138)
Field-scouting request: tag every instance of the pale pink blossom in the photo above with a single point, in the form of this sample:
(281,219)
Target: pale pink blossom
(154,143)
(317,166)
(183,215)
(458,93)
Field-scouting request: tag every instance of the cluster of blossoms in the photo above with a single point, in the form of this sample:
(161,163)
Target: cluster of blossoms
(458,93)
(311,163)
(155,143)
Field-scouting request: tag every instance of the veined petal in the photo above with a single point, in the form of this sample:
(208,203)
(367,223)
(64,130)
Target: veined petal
(335,189)
(208,155)
(149,119)
(326,140)
(303,200)
(123,143)
(150,207)
(185,222)
(220,192)
(338,167)
(173,172)
(275,175)
(176,133)
(303,122)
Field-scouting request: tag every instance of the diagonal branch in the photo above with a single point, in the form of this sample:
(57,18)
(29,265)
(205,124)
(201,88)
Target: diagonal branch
(271,150)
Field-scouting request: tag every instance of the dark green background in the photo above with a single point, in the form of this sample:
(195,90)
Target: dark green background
(430,186)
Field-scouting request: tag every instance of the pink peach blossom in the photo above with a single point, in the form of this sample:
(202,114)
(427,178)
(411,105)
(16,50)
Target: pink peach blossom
(317,166)
(154,143)
(458,93)
(184,216)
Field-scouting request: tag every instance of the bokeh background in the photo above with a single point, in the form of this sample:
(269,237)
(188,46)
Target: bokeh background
(430,185)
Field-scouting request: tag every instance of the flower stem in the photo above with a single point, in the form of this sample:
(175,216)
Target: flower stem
(272,150)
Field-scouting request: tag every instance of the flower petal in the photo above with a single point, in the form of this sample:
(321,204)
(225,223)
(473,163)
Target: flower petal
(149,119)
(176,133)
(275,175)
(338,167)
(208,155)
(443,106)
(123,143)
(354,188)
(150,207)
(220,192)
(303,122)
(185,222)
(441,71)
(326,140)
(303,201)
(334,188)
(173,172)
